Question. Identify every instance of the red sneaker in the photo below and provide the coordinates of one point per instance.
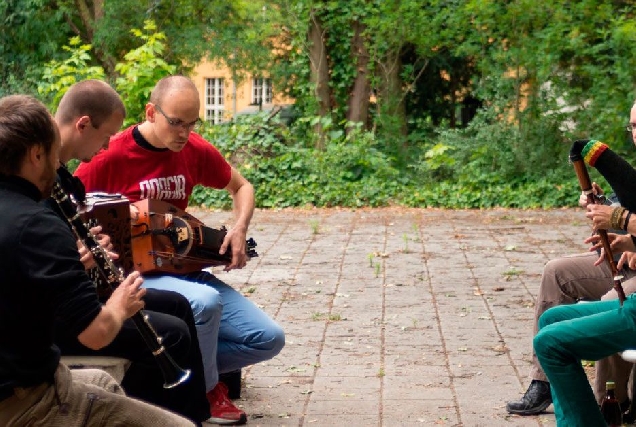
(222, 409)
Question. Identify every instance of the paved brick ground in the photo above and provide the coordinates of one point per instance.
(398, 317)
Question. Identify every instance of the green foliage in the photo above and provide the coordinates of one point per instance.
(140, 71)
(351, 171)
(237, 31)
(542, 73)
(491, 193)
(242, 34)
(456, 171)
(233, 31)
(59, 75)
(573, 59)
(23, 47)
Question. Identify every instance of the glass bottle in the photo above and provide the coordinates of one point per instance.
(611, 407)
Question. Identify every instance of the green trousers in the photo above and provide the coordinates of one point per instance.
(585, 331)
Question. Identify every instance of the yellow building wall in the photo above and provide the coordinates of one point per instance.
(237, 97)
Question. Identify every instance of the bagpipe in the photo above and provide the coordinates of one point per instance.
(619, 174)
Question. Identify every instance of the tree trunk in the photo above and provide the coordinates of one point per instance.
(359, 100)
(90, 12)
(391, 108)
(453, 99)
(319, 72)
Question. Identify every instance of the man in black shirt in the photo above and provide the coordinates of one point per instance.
(41, 278)
(88, 114)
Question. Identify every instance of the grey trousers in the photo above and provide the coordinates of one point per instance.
(83, 397)
(565, 281)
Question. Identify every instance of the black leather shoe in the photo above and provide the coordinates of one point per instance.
(535, 401)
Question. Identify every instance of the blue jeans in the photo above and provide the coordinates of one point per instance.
(574, 332)
(233, 332)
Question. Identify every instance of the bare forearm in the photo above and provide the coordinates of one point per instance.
(124, 302)
(103, 329)
(243, 206)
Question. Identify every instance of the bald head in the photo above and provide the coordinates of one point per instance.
(171, 85)
(171, 113)
(92, 98)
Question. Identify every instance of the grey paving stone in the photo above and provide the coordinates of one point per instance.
(398, 317)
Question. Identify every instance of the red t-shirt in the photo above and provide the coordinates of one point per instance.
(140, 173)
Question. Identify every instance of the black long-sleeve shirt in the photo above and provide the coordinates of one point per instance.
(41, 278)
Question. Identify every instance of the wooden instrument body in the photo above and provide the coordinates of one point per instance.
(161, 238)
(168, 239)
(112, 212)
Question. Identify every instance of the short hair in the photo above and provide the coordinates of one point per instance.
(169, 84)
(24, 122)
(93, 98)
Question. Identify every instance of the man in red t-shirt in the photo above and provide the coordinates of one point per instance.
(162, 158)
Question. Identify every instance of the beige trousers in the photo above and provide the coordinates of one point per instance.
(565, 281)
(83, 397)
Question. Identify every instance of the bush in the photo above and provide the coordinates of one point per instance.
(351, 171)
(477, 167)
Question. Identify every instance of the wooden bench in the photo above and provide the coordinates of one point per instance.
(115, 366)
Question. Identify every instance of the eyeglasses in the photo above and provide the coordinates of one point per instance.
(179, 123)
(630, 127)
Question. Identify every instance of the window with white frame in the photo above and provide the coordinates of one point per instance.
(214, 100)
(261, 91)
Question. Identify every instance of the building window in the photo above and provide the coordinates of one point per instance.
(214, 100)
(261, 91)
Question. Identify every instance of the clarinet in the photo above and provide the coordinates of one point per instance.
(173, 374)
(586, 186)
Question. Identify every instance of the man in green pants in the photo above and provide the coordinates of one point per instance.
(571, 333)
(575, 332)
